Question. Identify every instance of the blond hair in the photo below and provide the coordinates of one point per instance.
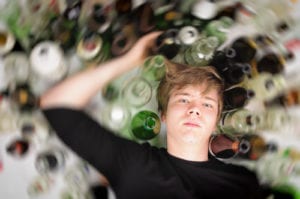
(179, 75)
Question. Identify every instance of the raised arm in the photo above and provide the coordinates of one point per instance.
(77, 90)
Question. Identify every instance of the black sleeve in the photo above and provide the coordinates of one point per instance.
(107, 152)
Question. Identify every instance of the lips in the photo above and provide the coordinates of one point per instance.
(191, 124)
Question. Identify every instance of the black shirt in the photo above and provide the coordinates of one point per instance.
(141, 171)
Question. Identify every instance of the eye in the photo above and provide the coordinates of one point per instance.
(207, 105)
(183, 100)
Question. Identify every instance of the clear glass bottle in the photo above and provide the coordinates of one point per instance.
(50, 160)
(48, 65)
(275, 169)
(40, 185)
(137, 91)
(116, 115)
(205, 10)
(240, 121)
(34, 127)
(275, 118)
(201, 52)
(76, 177)
(266, 86)
(16, 68)
(145, 125)
(9, 117)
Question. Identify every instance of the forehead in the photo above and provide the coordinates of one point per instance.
(197, 91)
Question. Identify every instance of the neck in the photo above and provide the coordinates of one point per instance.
(188, 151)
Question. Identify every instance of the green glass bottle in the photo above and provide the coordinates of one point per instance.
(145, 125)
(153, 68)
(219, 28)
(201, 52)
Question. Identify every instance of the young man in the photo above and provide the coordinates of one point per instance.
(190, 101)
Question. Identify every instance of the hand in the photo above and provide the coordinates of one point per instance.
(142, 48)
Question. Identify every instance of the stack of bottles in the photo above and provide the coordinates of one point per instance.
(251, 43)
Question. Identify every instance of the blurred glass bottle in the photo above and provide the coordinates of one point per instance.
(266, 86)
(275, 118)
(29, 20)
(16, 68)
(115, 115)
(248, 146)
(76, 177)
(24, 98)
(285, 191)
(242, 49)
(204, 9)
(34, 127)
(236, 97)
(144, 19)
(167, 44)
(48, 66)
(219, 28)
(275, 169)
(187, 35)
(240, 120)
(7, 39)
(166, 14)
(270, 63)
(153, 68)
(9, 117)
(145, 125)
(201, 52)
(123, 39)
(50, 160)
(101, 17)
(39, 185)
(123, 7)
(231, 10)
(91, 48)
(235, 73)
(64, 28)
(137, 91)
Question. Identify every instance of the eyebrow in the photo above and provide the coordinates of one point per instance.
(187, 94)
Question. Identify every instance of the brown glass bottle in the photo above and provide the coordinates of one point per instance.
(236, 97)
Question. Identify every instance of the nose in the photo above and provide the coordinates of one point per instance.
(194, 111)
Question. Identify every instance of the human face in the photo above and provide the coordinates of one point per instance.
(191, 114)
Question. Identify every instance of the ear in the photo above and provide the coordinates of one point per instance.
(163, 117)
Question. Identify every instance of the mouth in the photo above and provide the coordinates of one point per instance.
(191, 124)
